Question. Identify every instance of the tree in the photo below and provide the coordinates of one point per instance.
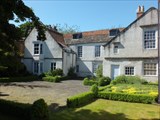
(65, 28)
(17, 11)
(26, 28)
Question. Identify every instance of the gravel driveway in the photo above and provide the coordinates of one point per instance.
(52, 93)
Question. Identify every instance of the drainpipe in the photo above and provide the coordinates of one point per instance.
(159, 51)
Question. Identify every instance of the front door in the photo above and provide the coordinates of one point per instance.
(114, 71)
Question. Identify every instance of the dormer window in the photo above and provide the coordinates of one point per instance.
(113, 32)
(77, 35)
(38, 48)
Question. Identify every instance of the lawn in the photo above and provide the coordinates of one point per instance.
(109, 110)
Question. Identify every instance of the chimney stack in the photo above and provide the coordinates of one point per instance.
(140, 11)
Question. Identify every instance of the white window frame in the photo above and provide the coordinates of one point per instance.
(38, 49)
(53, 65)
(148, 36)
(80, 51)
(130, 70)
(97, 51)
(150, 70)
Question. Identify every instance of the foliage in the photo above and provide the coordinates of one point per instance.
(94, 89)
(9, 33)
(122, 79)
(138, 98)
(103, 81)
(66, 29)
(56, 72)
(26, 28)
(99, 71)
(81, 99)
(19, 79)
(39, 110)
(52, 78)
(71, 73)
(86, 81)
(15, 109)
(131, 88)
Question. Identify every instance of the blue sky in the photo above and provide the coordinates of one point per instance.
(88, 14)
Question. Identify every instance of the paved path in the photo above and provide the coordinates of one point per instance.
(28, 92)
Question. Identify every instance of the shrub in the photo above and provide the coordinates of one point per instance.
(52, 79)
(99, 71)
(57, 72)
(39, 110)
(122, 79)
(138, 98)
(15, 109)
(71, 73)
(94, 89)
(104, 81)
(86, 81)
(80, 99)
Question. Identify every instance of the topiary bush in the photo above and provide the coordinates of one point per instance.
(39, 110)
(89, 82)
(103, 81)
(94, 89)
(122, 79)
(99, 71)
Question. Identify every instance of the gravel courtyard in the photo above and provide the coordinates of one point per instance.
(52, 93)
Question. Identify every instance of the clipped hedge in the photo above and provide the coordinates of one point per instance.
(103, 81)
(138, 98)
(52, 79)
(15, 109)
(88, 82)
(81, 99)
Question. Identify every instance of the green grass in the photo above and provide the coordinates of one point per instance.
(132, 88)
(109, 110)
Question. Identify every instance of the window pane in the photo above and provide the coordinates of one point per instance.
(41, 67)
(129, 70)
(150, 68)
(97, 51)
(36, 70)
(79, 51)
(149, 39)
(41, 49)
(36, 48)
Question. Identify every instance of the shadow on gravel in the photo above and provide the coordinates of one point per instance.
(24, 86)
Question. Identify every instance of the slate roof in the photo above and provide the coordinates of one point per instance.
(90, 37)
(58, 37)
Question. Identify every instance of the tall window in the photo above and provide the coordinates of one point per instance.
(149, 39)
(36, 68)
(129, 70)
(53, 66)
(77, 68)
(115, 49)
(97, 51)
(38, 48)
(79, 51)
(150, 68)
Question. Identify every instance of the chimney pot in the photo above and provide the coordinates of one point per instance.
(140, 11)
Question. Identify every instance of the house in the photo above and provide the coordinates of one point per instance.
(89, 48)
(134, 50)
(42, 56)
